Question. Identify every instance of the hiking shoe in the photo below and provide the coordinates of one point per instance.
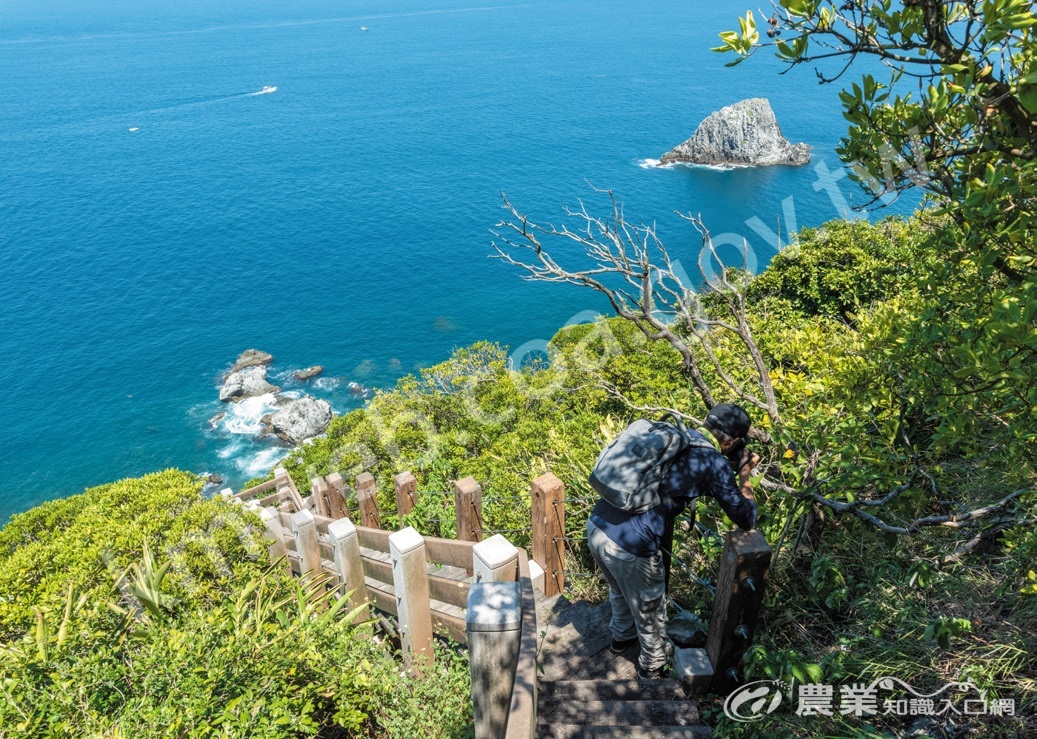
(657, 674)
(618, 646)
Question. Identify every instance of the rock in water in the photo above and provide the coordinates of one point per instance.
(252, 358)
(309, 372)
(745, 134)
(301, 418)
(246, 383)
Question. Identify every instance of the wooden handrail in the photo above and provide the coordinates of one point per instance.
(388, 576)
(253, 491)
(443, 589)
(522, 713)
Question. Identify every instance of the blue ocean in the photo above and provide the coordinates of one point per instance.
(160, 213)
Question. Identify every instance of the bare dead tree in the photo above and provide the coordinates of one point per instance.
(635, 272)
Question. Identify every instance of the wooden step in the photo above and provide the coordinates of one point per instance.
(619, 713)
(609, 690)
(576, 731)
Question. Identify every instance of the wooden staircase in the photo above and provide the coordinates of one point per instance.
(587, 691)
(638, 709)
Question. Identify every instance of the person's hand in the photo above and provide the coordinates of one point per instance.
(748, 457)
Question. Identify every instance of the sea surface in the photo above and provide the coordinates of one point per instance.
(158, 215)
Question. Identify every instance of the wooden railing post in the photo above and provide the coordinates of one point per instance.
(495, 560)
(468, 509)
(410, 580)
(367, 500)
(406, 488)
(345, 544)
(736, 610)
(317, 494)
(494, 626)
(337, 495)
(304, 526)
(548, 529)
(275, 533)
(286, 486)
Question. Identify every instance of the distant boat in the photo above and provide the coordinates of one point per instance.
(363, 28)
(134, 130)
(266, 89)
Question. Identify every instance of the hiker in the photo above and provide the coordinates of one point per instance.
(629, 546)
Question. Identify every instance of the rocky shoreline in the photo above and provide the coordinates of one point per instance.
(295, 419)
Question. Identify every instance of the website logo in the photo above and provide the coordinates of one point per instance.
(755, 700)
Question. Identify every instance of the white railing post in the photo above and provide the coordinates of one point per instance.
(275, 535)
(410, 580)
(345, 544)
(494, 625)
(495, 560)
(304, 527)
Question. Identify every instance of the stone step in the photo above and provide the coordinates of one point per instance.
(619, 713)
(610, 690)
(576, 731)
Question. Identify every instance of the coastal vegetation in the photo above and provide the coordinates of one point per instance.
(892, 492)
(231, 647)
(890, 367)
(139, 609)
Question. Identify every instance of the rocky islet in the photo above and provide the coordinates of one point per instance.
(745, 134)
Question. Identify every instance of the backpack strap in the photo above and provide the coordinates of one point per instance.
(681, 430)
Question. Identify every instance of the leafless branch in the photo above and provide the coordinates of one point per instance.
(952, 520)
(616, 393)
(986, 534)
(634, 270)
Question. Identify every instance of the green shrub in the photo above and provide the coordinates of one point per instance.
(138, 609)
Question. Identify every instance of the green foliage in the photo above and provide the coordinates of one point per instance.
(92, 538)
(193, 635)
(786, 665)
(956, 117)
(941, 629)
(870, 384)
(147, 586)
(843, 267)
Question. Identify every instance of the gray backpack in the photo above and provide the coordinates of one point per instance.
(628, 471)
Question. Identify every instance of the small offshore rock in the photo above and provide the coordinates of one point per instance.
(745, 134)
(246, 383)
(355, 388)
(215, 420)
(309, 372)
(252, 358)
(214, 479)
(300, 419)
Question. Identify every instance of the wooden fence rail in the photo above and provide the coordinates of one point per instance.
(428, 583)
(329, 498)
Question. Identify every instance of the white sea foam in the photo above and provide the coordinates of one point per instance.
(648, 163)
(327, 383)
(244, 417)
(714, 167)
(262, 461)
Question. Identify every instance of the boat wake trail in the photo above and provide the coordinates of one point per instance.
(133, 118)
(206, 101)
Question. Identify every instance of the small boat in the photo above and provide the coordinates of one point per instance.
(266, 89)
(134, 130)
(363, 28)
